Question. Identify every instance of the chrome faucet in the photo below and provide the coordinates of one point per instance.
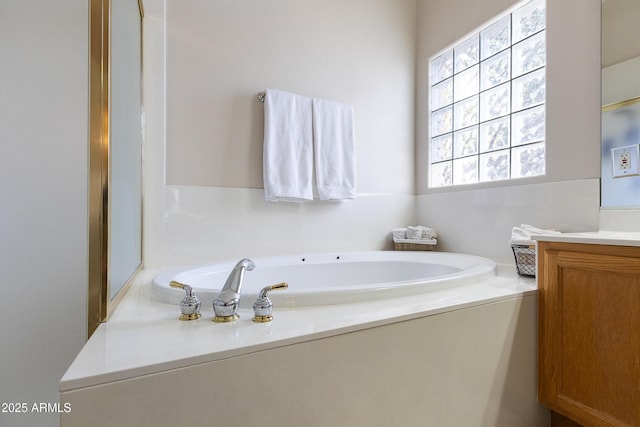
(263, 307)
(225, 306)
(190, 305)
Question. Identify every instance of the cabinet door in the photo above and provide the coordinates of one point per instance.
(589, 332)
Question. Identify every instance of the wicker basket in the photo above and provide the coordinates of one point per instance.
(414, 245)
(525, 256)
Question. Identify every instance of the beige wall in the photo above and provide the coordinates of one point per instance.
(221, 54)
(43, 188)
(225, 52)
(620, 81)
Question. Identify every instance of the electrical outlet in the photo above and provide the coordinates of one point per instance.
(625, 160)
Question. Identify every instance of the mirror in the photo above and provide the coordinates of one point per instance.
(621, 103)
(115, 153)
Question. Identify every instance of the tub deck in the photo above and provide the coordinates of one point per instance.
(145, 337)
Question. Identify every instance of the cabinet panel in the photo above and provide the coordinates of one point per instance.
(589, 332)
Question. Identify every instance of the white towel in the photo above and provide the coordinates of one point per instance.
(428, 232)
(414, 233)
(522, 235)
(334, 148)
(288, 147)
(399, 233)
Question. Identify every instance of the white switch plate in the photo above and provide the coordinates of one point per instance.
(625, 160)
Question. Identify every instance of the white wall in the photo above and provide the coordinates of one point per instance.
(204, 224)
(43, 188)
(479, 219)
(214, 128)
(203, 186)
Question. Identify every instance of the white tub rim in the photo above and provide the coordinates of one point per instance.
(471, 268)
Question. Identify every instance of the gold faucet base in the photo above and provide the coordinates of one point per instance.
(262, 319)
(193, 316)
(225, 319)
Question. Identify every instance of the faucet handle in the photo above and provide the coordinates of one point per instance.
(190, 304)
(263, 307)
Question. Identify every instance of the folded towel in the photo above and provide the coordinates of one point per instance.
(334, 148)
(288, 147)
(522, 235)
(414, 233)
(428, 233)
(399, 233)
(420, 232)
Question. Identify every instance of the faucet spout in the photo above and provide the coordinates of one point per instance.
(225, 306)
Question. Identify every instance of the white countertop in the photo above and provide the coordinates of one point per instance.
(617, 238)
(145, 336)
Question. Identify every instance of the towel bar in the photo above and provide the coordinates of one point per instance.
(261, 96)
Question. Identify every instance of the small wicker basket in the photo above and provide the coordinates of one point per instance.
(525, 256)
(414, 245)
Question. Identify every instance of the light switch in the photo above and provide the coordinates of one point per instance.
(625, 160)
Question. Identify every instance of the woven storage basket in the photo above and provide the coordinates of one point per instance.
(525, 256)
(414, 245)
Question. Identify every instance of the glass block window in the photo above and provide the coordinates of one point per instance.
(487, 97)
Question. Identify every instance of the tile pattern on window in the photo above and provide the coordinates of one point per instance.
(487, 102)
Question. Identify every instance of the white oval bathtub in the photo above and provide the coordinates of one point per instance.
(320, 279)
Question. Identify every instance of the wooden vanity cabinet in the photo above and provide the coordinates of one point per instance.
(589, 332)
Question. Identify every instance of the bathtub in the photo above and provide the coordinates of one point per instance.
(327, 279)
(464, 314)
